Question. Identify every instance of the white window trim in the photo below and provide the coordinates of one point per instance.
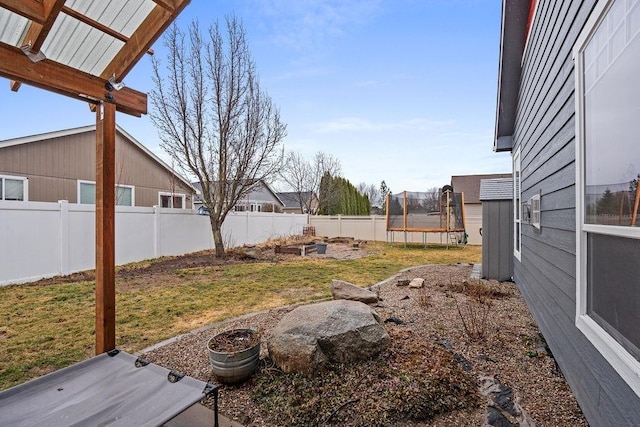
(517, 206)
(622, 362)
(133, 191)
(172, 195)
(80, 181)
(25, 186)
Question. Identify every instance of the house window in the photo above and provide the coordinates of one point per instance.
(14, 188)
(517, 206)
(125, 194)
(608, 172)
(172, 200)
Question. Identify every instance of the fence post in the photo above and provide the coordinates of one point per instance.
(373, 222)
(156, 232)
(64, 237)
(339, 225)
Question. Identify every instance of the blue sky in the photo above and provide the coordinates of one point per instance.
(398, 90)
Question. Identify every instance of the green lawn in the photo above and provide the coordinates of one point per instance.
(48, 327)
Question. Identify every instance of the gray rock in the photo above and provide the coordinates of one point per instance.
(311, 336)
(345, 290)
(250, 252)
(416, 283)
(504, 409)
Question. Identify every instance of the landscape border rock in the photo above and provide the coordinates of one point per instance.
(342, 290)
(312, 336)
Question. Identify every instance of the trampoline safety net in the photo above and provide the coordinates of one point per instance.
(439, 211)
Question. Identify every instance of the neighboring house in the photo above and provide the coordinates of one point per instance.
(61, 166)
(259, 198)
(292, 199)
(567, 110)
(469, 185)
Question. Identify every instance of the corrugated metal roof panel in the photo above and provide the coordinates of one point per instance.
(12, 27)
(80, 46)
(75, 43)
(496, 189)
(85, 43)
(122, 16)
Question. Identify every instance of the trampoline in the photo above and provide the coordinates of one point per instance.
(440, 212)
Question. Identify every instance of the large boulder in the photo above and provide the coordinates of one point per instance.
(345, 290)
(311, 336)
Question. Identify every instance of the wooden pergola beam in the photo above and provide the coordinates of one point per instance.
(169, 5)
(68, 81)
(37, 33)
(31, 9)
(143, 38)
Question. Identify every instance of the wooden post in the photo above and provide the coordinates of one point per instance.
(105, 228)
(635, 207)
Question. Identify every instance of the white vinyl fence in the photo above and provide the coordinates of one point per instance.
(40, 240)
(374, 228)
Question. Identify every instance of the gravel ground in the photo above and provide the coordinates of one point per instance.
(511, 349)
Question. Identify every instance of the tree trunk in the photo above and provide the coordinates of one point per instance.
(216, 229)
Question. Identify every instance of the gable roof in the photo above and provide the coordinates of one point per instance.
(470, 185)
(291, 199)
(259, 182)
(92, 128)
(496, 189)
(515, 17)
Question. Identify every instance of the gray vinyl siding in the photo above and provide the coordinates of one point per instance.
(545, 134)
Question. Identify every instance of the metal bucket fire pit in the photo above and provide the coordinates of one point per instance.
(234, 355)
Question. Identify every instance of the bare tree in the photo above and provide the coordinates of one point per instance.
(384, 194)
(432, 199)
(304, 176)
(372, 192)
(214, 119)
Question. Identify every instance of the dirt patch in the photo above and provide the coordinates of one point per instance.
(429, 376)
(151, 273)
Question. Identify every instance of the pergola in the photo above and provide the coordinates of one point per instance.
(84, 49)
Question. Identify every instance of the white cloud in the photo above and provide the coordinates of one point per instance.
(367, 83)
(355, 124)
(305, 25)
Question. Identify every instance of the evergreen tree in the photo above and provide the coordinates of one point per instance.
(607, 204)
(347, 200)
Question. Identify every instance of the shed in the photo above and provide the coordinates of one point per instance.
(496, 196)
